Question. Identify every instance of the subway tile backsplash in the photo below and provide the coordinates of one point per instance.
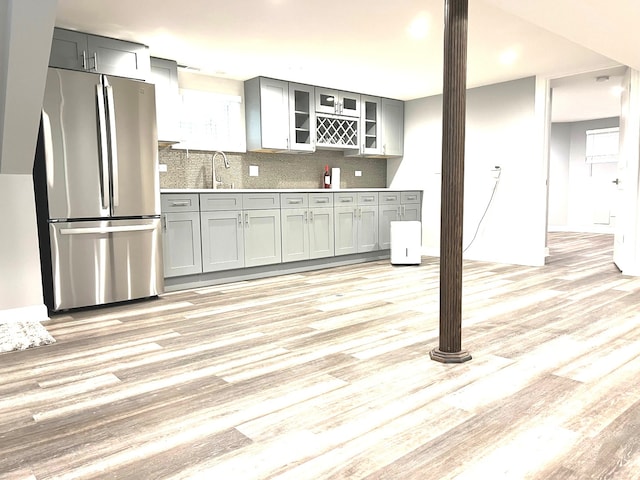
(192, 169)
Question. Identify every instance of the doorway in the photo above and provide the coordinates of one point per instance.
(582, 193)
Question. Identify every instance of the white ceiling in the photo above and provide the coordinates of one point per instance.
(366, 45)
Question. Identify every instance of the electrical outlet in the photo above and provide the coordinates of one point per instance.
(358, 173)
(253, 170)
(162, 167)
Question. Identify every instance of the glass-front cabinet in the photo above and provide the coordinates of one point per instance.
(337, 102)
(302, 118)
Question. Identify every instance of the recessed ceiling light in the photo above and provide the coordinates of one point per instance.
(419, 26)
(509, 57)
(617, 90)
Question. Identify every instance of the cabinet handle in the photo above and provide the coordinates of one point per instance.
(321, 200)
(346, 200)
(240, 219)
(399, 213)
(246, 220)
(390, 199)
(306, 219)
(84, 60)
(164, 223)
(311, 216)
(177, 203)
(294, 202)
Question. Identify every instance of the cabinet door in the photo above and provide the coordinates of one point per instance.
(321, 233)
(262, 237)
(302, 118)
(367, 228)
(68, 49)
(336, 102)
(164, 74)
(392, 128)
(346, 230)
(181, 244)
(386, 214)
(267, 114)
(295, 234)
(222, 240)
(370, 125)
(411, 212)
(117, 57)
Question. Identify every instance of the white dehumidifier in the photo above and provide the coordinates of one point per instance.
(406, 243)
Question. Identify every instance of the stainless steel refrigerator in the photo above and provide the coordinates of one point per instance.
(97, 190)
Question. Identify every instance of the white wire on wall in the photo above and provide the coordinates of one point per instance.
(493, 192)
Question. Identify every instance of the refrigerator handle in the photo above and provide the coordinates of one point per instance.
(102, 127)
(48, 144)
(113, 144)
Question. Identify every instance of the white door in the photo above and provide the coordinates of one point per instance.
(629, 159)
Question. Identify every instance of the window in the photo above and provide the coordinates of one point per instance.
(602, 145)
(211, 121)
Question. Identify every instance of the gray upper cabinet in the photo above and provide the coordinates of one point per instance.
(267, 114)
(370, 125)
(164, 74)
(337, 103)
(81, 51)
(302, 118)
(382, 128)
(392, 128)
(280, 116)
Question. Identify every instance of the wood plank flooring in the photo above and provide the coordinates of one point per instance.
(326, 375)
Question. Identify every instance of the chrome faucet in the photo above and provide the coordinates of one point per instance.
(216, 180)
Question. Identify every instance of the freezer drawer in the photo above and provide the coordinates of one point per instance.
(99, 262)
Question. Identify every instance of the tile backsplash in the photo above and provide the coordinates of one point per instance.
(192, 169)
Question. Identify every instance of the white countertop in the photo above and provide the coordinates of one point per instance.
(280, 190)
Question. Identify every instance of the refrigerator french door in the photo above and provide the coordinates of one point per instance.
(97, 190)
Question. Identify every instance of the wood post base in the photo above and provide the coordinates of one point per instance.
(445, 357)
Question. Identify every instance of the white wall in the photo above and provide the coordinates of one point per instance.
(26, 28)
(503, 128)
(580, 194)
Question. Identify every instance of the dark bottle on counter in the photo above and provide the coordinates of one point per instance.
(326, 177)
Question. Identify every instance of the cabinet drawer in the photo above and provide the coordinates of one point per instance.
(220, 201)
(178, 202)
(259, 201)
(345, 199)
(389, 198)
(294, 200)
(410, 197)
(321, 199)
(368, 198)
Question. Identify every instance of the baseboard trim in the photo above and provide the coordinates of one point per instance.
(38, 313)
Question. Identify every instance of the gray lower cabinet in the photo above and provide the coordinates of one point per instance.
(356, 222)
(93, 53)
(411, 206)
(396, 206)
(388, 211)
(307, 226)
(222, 240)
(181, 235)
(262, 237)
(237, 232)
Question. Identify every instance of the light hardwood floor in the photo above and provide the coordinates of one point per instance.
(326, 375)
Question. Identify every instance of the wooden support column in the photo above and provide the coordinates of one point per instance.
(452, 196)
